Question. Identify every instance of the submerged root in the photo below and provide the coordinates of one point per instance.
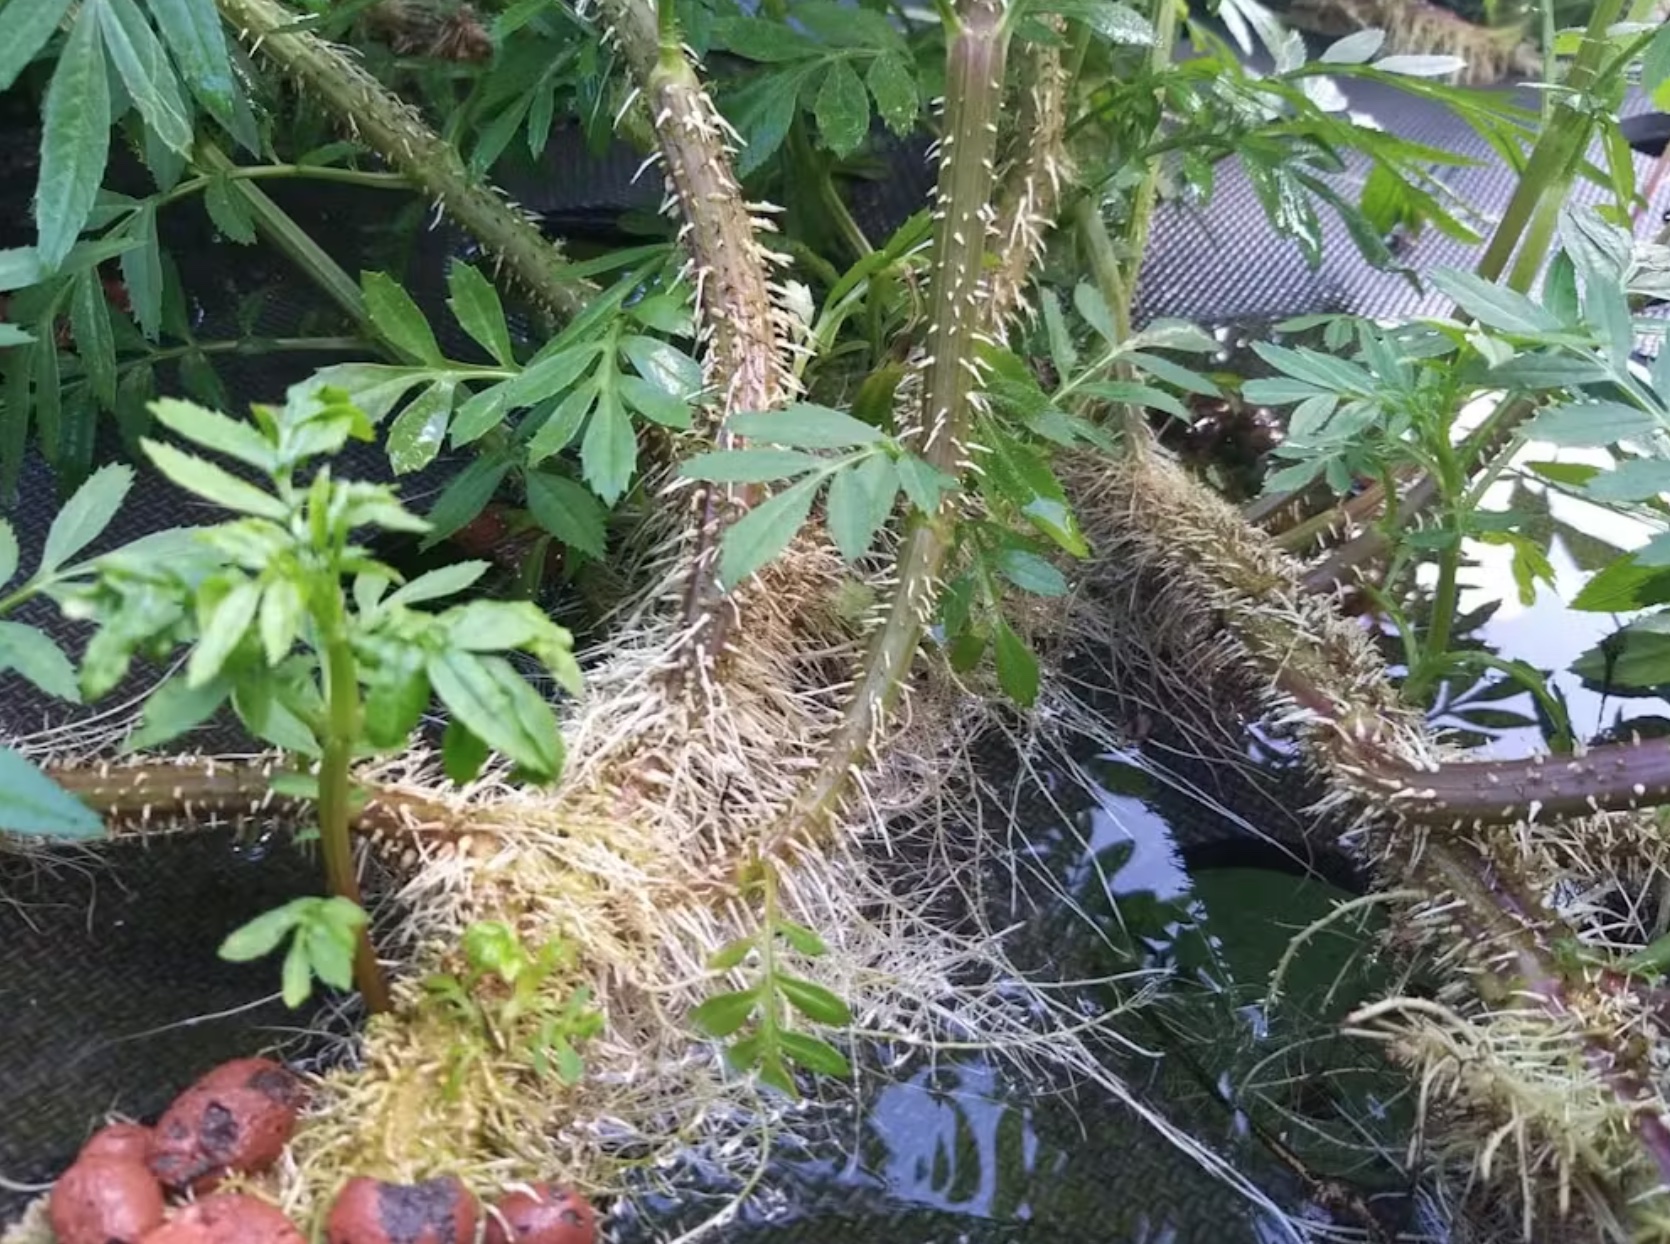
(1543, 1056)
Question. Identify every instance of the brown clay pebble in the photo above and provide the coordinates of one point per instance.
(269, 1078)
(129, 1141)
(222, 1123)
(542, 1215)
(104, 1201)
(227, 1218)
(368, 1211)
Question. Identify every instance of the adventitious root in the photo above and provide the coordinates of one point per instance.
(1541, 1063)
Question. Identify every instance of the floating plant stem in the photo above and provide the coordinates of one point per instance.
(389, 126)
(977, 48)
(746, 360)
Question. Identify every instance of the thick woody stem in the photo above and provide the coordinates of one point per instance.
(961, 310)
(386, 124)
(747, 350)
(196, 789)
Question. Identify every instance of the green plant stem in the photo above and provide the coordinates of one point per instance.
(976, 55)
(386, 124)
(288, 172)
(342, 729)
(1550, 167)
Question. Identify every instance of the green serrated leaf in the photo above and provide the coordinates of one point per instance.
(25, 28)
(213, 430)
(419, 431)
(498, 707)
(192, 30)
(609, 452)
(437, 584)
(653, 402)
(766, 530)
(222, 627)
(142, 272)
(818, 1057)
(723, 1014)
(264, 934)
(1031, 573)
(75, 142)
(372, 388)
(84, 516)
(805, 425)
(1590, 424)
(32, 803)
(146, 72)
(229, 209)
(850, 512)
(462, 753)
(894, 88)
(465, 497)
(730, 955)
(814, 1001)
(568, 511)
(174, 708)
(1495, 306)
(801, 938)
(34, 655)
(842, 109)
(750, 466)
(208, 481)
(663, 365)
(1623, 585)
(398, 318)
(923, 483)
(8, 552)
(95, 343)
(1017, 667)
(479, 312)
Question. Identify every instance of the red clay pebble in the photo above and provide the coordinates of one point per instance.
(542, 1214)
(238, 1117)
(436, 1211)
(104, 1200)
(269, 1078)
(129, 1141)
(227, 1218)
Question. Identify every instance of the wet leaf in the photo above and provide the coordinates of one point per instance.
(419, 431)
(476, 305)
(894, 89)
(842, 108)
(663, 365)
(654, 402)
